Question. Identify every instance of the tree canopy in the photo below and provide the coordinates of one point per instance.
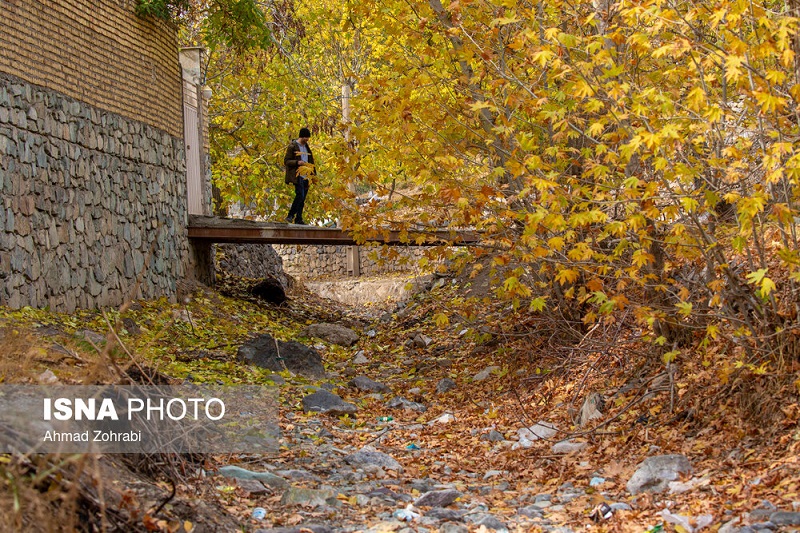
(635, 158)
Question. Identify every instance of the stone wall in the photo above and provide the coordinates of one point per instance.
(250, 261)
(93, 207)
(315, 261)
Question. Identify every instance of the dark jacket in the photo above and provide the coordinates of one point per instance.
(292, 158)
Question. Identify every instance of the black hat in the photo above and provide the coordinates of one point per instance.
(304, 132)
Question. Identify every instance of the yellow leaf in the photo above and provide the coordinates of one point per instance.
(567, 275)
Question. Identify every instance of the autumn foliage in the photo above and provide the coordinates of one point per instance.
(635, 158)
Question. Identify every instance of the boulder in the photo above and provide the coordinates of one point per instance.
(370, 456)
(438, 498)
(326, 402)
(333, 333)
(264, 351)
(267, 478)
(308, 497)
(785, 518)
(654, 473)
(363, 383)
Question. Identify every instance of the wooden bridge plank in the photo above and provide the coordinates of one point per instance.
(218, 229)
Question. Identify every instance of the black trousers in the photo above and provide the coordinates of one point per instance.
(300, 192)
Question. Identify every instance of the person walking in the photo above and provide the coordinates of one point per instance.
(299, 162)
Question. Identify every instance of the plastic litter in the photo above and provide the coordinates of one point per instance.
(445, 419)
(259, 513)
(704, 520)
(412, 446)
(601, 512)
(677, 520)
(385, 419)
(407, 514)
(658, 528)
(685, 522)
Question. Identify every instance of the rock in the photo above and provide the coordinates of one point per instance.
(438, 498)
(488, 521)
(396, 403)
(388, 494)
(360, 358)
(47, 378)
(531, 511)
(269, 290)
(92, 336)
(267, 478)
(363, 383)
(422, 485)
(297, 475)
(304, 529)
(440, 513)
(422, 341)
(485, 373)
(252, 487)
(527, 436)
(277, 379)
(308, 497)
(450, 527)
(326, 402)
(730, 526)
(370, 456)
(333, 333)
(293, 356)
(620, 506)
(493, 436)
(568, 446)
(493, 473)
(444, 385)
(655, 473)
(785, 518)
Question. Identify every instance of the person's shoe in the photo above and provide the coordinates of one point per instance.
(301, 223)
(289, 220)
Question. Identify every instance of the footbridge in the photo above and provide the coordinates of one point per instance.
(230, 230)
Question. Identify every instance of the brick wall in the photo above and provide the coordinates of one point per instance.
(98, 52)
(93, 199)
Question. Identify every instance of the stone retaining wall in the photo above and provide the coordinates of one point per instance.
(250, 261)
(91, 203)
(315, 261)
